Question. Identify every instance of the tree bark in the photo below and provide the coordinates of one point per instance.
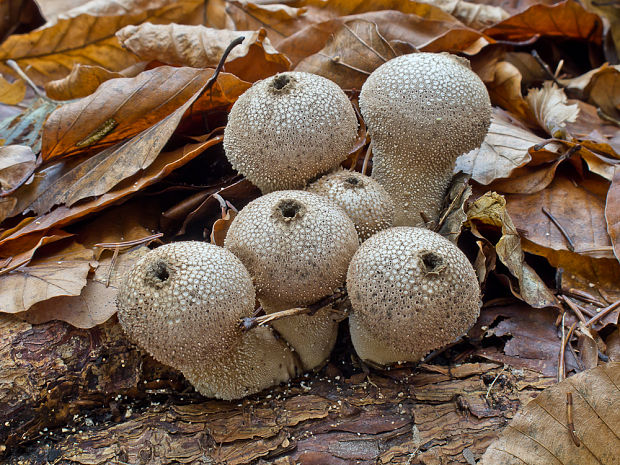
(88, 396)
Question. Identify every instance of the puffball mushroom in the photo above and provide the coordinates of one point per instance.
(422, 111)
(288, 129)
(412, 291)
(365, 201)
(182, 303)
(297, 246)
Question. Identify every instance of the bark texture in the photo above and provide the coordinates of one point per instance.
(71, 396)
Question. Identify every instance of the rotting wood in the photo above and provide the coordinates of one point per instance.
(87, 396)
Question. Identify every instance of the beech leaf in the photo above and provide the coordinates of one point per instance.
(16, 161)
(612, 212)
(81, 82)
(11, 93)
(551, 110)
(543, 433)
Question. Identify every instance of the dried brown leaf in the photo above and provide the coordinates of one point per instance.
(87, 37)
(541, 432)
(566, 19)
(58, 273)
(490, 209)
(453, 215)
(21, 251)
(220, 227)
(203, 47)
(551, 110)
(505, 148)
(471, 14)
(504, 86)
(16, 162)
(350, 55)
(81, 82)
(600, 87)
(11, 93)
(612, 212)
(18, 14)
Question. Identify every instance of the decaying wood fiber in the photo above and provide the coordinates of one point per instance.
(71, 396)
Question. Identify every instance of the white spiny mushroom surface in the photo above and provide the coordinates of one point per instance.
(289, 128)
(361, 197)
(182, 303)
(422, 110)
(412, 291)
(297, 246)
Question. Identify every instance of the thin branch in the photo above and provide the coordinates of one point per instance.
(363, 42)
(603, 313)
(366, 159)
(573, 306)
(15, 67)
(571, 245)
(545, 67)
(128, 244)
(220, 65)
(565, 340)
(569, 419)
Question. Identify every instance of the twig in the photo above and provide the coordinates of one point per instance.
(574, 307)
(604, 116)
(220, 65)
(494, 380)
(609, 299)
(15, 67)
(571, 245)
(545, 67)
(449, 209)
(586, 297)
(565, 340)
(366, 159)
(248, 323)
(603, 313)
(569, 419)
(127, 244)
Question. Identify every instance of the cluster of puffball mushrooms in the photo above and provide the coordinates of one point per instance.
(317, 228)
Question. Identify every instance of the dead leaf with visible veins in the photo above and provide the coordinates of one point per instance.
(81, 82)
(203, 47)
(490, 209)
(612, 212)
(350, 55)
(551, 110)
(26, 128)
(478, 16)
(87, 36)
(11, 93)
(548, 430)
(16, 162)
(59, 272)
(600, 87)
(505, 148)
(566, 19)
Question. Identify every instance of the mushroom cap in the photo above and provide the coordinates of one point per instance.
(412, 291)
(361, 197)
(289, 128)
(182, 302)
(428, 105)
(296, 245)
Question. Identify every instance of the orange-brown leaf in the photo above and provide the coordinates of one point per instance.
(612, 212)
(81, 82)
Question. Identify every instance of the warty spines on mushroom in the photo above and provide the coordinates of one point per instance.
(412, 291)
(422, 110)
(287, 129)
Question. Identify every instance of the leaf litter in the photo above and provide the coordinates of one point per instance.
(113, 155)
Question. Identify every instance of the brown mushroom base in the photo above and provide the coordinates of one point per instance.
(261, 361)
(311, 336)
(417, 190)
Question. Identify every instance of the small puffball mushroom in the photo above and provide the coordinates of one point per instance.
(361, 197)
(297, 246)
(422, 110)
(288, 129)
(183, 302)
(412, 291)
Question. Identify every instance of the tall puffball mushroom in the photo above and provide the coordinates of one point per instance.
(412, 291)
(183, 302)
(422, 111)
(288, 129)
(297, 246)
(361, 197)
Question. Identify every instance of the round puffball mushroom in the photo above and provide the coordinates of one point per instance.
(182, 303)
(288, 129)
(297, 246)
(361, 197)
(422, 111)
(412, 291)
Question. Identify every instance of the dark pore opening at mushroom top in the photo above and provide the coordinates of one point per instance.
(289, 208)
(280, 81)
(159, 271)
(352, 181)
(432, 262)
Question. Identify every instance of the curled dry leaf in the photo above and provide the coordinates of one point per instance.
(59, 272)
(600, 87)
(503, 82)
(490, 209)
(453, 215)
(11, 93)
(203, 47)
(550, 109)
(474, 15)
(612, 212)
(575, 421)
(566, 19)
(16, 162)
(505, 148)
(220, 227)
(81, 82)
(87, 37)
(350, 55)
